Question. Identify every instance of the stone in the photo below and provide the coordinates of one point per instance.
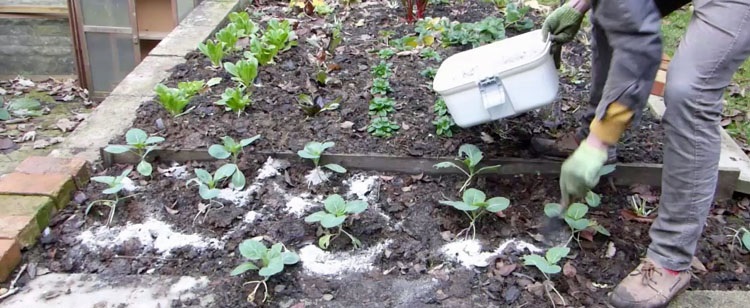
(10, 257)
(38, 210)
(59, 187)
(78, 169)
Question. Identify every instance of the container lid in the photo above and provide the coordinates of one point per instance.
(468, 67)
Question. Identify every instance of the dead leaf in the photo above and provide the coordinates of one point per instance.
(41, 144)
(536, 288)
(587, 235)
(697, 266)
(80, 117)
(740, 267)
(405, 126)
(744, 203)
(627, 214)
(611, 250)
(28, 136)
(569, 270)
(407, 53)
(66, 125)
(333, 67)
(360, 23)
(503, 269)
(726, 121)
(347, 125)
(170, 210)
(487, 138)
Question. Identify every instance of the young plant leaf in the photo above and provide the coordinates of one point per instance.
(253, 250)
(553, 210)
(275, 266)
(248, 141)
(356, 206)
(577, 224)
(207, 193)
(289, 257)
(224, 171)
(472, 153)
(117, 149)
(203, 175)
(315, 217)
(238, 179)
(244, 267)
(534, 260)
(154, 139)
(113, 190)
(577, 210)
(555, 254)
(599, 228)
(335, 168)
(136, 136)
(330, 220)
(324, 241)
(213, 81)
(473, 196)
(497, 204)
(461, 206)
(144, 168)
(335, 204)
(746, 239)
(606, 169)
(218, 151)
(592, 199)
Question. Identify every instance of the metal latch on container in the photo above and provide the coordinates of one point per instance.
(493, 95)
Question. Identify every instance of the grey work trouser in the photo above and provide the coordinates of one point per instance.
(626, 54)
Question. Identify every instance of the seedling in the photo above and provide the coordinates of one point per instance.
(262, 51)
(335, 213)
(289, 36)
(172, 99)
(22, 107)
(244, 71)
(115, 185)
(444, 126)
(242, 22)
(429, 53)
(313, 151)
(470, 156)
(386, 53)
(381, 106)
(207, 184)
(575, 214)
(382, 70)
(267, 262)
(380, 86)
(235, 100)
(476, 34)
(232, 148)
(382, 127)
(548, 266)
(640, 206)
(229, 35)
(742, 235)
(214, 51)
(190, 88)
(312, 107)
(429, 73)
(475, 204)
(139, 143)
(515, 17)
(336, 38)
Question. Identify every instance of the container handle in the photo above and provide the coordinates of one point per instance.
(494, 98)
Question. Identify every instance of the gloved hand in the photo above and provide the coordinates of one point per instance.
(580, 172)
(562, 24)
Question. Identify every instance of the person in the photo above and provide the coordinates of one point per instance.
(626, 54)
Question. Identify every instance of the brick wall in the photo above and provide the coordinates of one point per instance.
(33, 46)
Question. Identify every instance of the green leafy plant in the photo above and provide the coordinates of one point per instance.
(313, 151)
(229, 35)
(214, 51)
(444, 126)
(429, 73)
(242, 22)
(548, 266)
(429, 53)
(244, 71)
(208, 184)
(231, 148)
(380, 86)
(262, 51)
(312, 107)
(640, 206)
(190, 88)
(487, 30)
(267, 262)
(235, 99)
(470, 156)
(26, 106)
(139, 143)
(382, 70)
(382, 127)
(515, 17)
(381, 106)
(386, 53)
(500, 4)
(336, 38)
(575, 214)
(335, 212)
(114, 187)
(172, 99)
(475, 203)
(742, 235)
(281, 29)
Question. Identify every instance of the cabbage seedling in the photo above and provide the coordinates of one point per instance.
(214, 51)
(473, 156)
(743, 235)
(235, 100)
(244, 71)
(313, 151)
(139, 143)
(475, 203)
(115, 185)
(335, 213)
(548, 266)
(232, 148)
(207, 184)
(267, 262)
(575, 214)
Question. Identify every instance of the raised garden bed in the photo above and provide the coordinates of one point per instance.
(410, 254)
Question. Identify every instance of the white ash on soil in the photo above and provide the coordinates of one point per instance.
(152, 234)
(238, 197)
(320, 262)
(298, 205)
(271, 168)
(250, 217)
(176, 171)
(469, 252)
(128, 184)
(362, 186)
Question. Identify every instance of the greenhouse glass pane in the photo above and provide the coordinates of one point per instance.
(111, 57)
(183, 8)
(108, 13)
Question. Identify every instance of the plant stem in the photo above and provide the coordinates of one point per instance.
(251, 296)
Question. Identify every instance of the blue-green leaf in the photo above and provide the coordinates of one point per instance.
(218, 151)
(577, 210)
(244, 267)
(497, 204)
(553, 210)
(473, 196)
(252, 249)
(330, 220)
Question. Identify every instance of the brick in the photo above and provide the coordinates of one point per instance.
(59, 187)
(10, 257)
(659, 83)
(78, 169)
(24, 229)
(39, 208)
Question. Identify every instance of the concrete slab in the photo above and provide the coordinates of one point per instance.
(87, 290)
(113, 117)
(199, 25)
(732, 155)
(143, 78)
(708, 299)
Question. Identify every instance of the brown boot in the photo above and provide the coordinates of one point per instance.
(649, 286)
(563, 147)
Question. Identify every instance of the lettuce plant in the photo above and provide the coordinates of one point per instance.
(172, 99)
(382, 70)
(114, 186)
(470, 156)
(190, 88)
(139, 143)
(380, 86)
(335, 212)
(278, 30)
(262, 51)
(244, 71)
(267, 262)
(381, 106)
(229, 35)
(382, 127)
(313, 151)
(475, 203)
(242, 22)
(386, 53)
(235, 100)
(214, 51)
(444, 126)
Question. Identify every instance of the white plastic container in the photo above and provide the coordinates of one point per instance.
(498, 80)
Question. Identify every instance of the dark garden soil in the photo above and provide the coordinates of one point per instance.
(283, 126)
(404, 209)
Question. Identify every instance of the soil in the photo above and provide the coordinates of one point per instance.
(283, 126)
(404, 227)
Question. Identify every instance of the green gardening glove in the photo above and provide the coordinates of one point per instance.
(563, 25)
(580, 172)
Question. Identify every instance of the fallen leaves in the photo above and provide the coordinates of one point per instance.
(65, 125)
(628, 215)
(569, 270)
